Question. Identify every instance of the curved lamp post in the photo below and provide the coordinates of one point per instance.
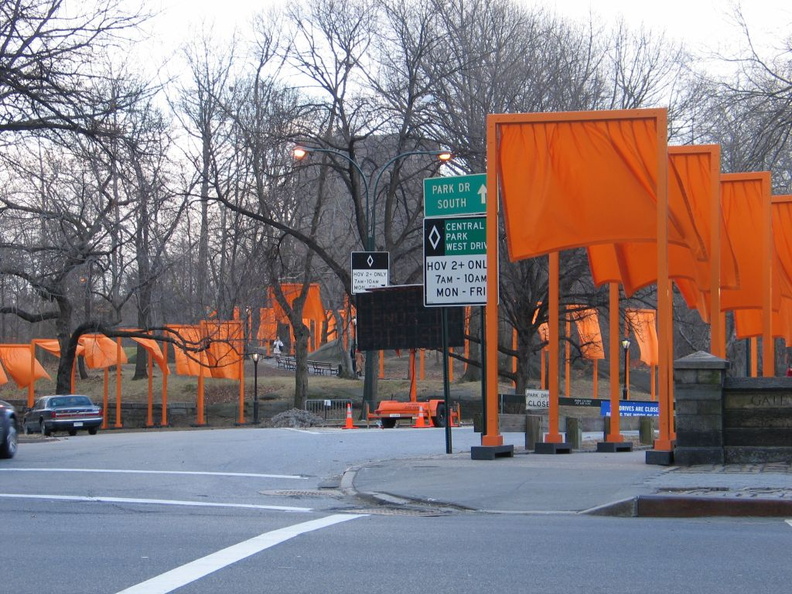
(626, 346)
(255, 357)
(301, 152)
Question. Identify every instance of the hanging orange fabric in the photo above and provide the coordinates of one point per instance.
(588, 328)
(268, 326)
(101, 352)
(152, 348)
(16, 359)
(782, 241)
(189, 362)
(692, 188)
(225, 347)
(745, 199)
(643, 324)
(579, 179)
(51, 345)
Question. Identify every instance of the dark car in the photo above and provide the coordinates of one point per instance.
(68, 412)
(8, 430)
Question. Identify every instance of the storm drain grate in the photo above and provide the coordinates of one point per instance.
(304, 493)
(392, 511)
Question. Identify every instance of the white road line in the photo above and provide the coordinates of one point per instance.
(183, 472)
(178, 502)
(186, 574)
(789, 522)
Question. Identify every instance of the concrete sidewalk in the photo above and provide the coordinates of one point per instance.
(582, 482)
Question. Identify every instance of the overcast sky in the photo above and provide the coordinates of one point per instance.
(706, 26)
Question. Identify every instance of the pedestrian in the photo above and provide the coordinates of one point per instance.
(277, 346)
(359, 363)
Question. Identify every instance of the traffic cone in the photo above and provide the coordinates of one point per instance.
(420, 423)
(350, 424)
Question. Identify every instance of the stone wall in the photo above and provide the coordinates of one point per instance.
(721, 420)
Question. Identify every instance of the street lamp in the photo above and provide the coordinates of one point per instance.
(255, 357)
(626, 346)
(301, 152)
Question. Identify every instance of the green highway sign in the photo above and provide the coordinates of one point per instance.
(455, 196)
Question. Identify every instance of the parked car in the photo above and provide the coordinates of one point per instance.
(8, 430)
(66, 412)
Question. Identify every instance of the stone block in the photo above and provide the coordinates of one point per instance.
(689, 456)
(704, 439)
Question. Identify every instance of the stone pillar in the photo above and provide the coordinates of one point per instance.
(698, 391)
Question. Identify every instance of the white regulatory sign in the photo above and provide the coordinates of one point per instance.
(370, 270)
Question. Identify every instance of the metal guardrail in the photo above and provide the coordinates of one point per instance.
(329, 410)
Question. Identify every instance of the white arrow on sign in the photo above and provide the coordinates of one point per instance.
(483, 193)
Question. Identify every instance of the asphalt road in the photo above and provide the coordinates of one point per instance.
(260, 510)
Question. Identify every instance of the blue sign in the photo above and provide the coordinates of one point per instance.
(631, 408)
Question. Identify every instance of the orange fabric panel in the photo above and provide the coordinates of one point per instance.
(588, 328)
(643, 324)
(152, 348)
(226, 343)
(692, 188)
(17, 361)
(782, 240)
(578, 179)
(100, 352)
(3, 376)
(313, 307)
(268, 326)
(189, 362)
(745, 199)
(748, 323)
(51, 345)
(694, 297)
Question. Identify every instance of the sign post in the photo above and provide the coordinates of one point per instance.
(455, 251)
(370, 270)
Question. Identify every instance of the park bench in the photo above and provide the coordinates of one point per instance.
(323, 368)
(286, 362)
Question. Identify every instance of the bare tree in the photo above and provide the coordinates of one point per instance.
(48, 63)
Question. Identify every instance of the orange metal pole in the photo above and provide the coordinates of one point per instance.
(118, 422)
(664, 297)
(164, 422)
(422, 364)
(200, 418)
(150, 407)
(31, 396)
(754, 357)
(491, 435)
(768, 342)
(241, 419)
(595, 380)
(450, 365)
(554, 327)
(106, 397)
(653, 381)
(382, 365)
(567, 359)
(413, 382)
(614, 435)
(717, 319)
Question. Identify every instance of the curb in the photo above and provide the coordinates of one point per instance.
(663, 506)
